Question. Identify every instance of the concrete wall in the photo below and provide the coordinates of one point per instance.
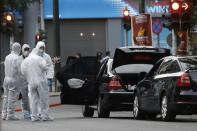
(114, 34)
(71, 40)
(108, 36)
(4, 50)
(31, 24)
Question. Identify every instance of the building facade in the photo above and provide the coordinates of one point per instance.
(92, 26)
(87, 27)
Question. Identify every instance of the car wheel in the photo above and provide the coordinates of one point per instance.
(137, 112)
(62, 98)
(166, 113)
(103, 107)
(87, 111)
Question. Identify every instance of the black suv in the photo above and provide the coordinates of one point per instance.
(170, 88)
(78, 80)
(117, 78)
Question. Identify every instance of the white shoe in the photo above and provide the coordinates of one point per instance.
(3, 117)
(47, 118)
(14, 118)
(35, 119)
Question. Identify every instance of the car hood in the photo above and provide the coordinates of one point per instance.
(138, 55)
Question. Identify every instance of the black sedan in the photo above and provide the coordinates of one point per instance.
(169, 89)
(117, 78)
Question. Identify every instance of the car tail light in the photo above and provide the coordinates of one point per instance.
(114, 83)
(184, 80)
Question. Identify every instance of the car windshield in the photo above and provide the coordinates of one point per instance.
(133, 68)
(189, 63)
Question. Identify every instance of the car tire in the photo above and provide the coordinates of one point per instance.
(138, 114)
(62, 98)
(87, 111)
(103, 107)
(166, 112)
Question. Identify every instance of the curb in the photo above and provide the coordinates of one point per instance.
(54, 94)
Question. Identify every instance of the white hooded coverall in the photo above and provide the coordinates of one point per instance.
(34, 68)
(11, 82)
(50, 71)
(24, 86)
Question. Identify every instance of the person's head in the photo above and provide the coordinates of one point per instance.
(16, 48)
(41, 47)
(26, 50)
(78, 55)
(107, 53)
(99, 55)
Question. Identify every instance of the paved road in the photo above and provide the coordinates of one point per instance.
(69, 118)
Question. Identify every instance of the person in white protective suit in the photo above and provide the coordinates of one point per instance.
(11, 82)
(50, 73)
(34, 68)
(24, 85)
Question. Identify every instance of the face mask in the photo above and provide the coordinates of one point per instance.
(26, 53)
(41, 51)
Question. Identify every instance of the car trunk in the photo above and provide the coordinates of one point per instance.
(128, 63)
(130, 79)
(189, 64)
(145, 55)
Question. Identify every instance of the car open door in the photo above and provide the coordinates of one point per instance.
(78, 79)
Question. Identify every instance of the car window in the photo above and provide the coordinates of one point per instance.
(173, 67)
(84, 67)
(79, 68)
(188, 63)
(163, 66)
(70, 60)
(153, 71)
(133, 68)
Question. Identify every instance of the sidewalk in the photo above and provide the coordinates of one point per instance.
(54, 100)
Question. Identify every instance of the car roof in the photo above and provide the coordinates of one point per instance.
(177, 57)
(128, 49)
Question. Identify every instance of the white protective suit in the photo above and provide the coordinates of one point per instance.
(34, 68)
(24, 85)
(50, 71)
(11, 82)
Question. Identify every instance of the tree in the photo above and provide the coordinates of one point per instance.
(12, 6)
(18, 5)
